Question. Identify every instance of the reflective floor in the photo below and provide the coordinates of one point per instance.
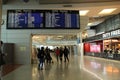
(78, 68)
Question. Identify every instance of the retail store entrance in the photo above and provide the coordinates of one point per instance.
(112, 47)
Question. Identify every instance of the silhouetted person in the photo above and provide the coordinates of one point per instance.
(105, 53)
(47, 55)
(116, 53)
(2, 61)
(61, 54)
(66, 52)
(41, 55)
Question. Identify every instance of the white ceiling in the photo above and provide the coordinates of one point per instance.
(94, 7)
(72, 1)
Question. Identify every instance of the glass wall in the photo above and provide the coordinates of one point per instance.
(112, 48)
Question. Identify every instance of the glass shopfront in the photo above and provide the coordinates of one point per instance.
(106, 45)
(94, 48)
(112, 48)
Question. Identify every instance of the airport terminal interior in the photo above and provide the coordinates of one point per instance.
(88, 29)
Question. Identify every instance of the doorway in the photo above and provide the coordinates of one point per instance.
(51, 41)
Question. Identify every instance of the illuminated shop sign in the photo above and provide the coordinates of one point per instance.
(112, 33)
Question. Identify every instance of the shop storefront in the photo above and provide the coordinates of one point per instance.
(93, 46)
(106, 45)
(112, 44)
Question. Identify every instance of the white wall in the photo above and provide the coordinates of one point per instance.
(22, 38)
(91, 32)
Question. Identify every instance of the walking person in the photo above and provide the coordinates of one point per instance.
(57, 51)
(47, 55)
(66, 52)
(41, 55)
(61, 54)
(2, 61)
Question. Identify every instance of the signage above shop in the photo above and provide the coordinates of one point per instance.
(112, 33)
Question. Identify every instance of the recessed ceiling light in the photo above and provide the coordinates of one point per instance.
(35, 36)
(89, 24)
(83, 12)
(107, 11)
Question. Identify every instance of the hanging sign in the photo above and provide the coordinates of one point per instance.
(112, 33)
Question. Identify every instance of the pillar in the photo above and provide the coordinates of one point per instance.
(0, 16)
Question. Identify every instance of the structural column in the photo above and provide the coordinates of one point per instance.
(0, 33)
(83, 25)
(0, 16)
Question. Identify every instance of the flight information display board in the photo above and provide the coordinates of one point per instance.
(43, 19)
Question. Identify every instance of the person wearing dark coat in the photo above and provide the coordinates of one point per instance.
(2, 61)
(41, 55)
(61, 54)
(66, 52)
(47, 55)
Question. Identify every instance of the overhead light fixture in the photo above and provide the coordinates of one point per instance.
(60, 36)
(35, 37)
(89, 24)
(107, 11)
(83, 12)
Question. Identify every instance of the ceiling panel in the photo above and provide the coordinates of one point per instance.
(94, 6)
(72, 1)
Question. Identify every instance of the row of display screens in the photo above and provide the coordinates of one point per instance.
(43, 19)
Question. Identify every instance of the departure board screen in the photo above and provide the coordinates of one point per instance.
(43, 19)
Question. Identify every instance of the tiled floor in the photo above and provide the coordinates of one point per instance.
(79, 68)
(9, 68)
